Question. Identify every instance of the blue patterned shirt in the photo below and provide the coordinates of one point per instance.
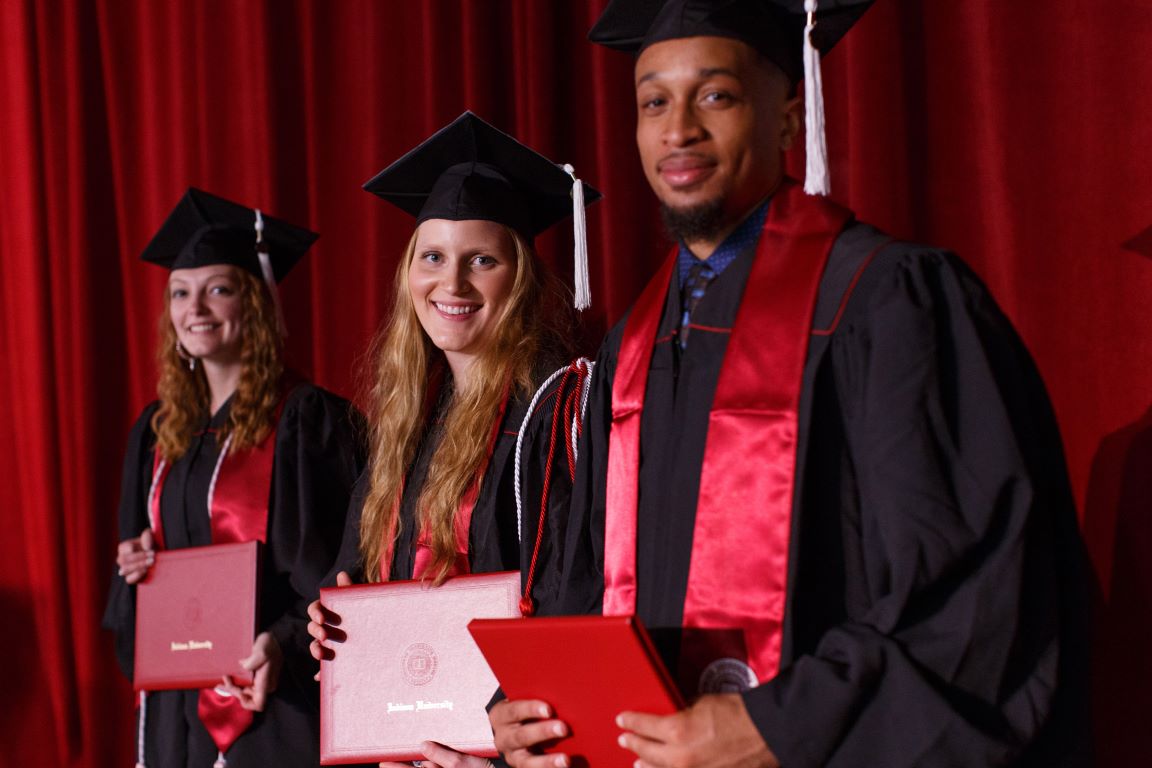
(744, 236)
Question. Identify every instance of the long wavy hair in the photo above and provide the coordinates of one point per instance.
(184, 396)
(535, 322)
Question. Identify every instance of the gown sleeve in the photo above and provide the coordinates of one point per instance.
(320, 452)
(135, 481)
(959, 526)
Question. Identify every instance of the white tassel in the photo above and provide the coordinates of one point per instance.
(817, 180)
(221, 761)
(142, 717)
(580, 243)
(269, 275)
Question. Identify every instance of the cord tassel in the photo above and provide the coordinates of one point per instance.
(583, 290)
(142, 719)
(266, 271)
(817, 179)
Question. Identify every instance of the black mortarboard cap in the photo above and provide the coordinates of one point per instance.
(775, 28)
(470, 170)
(205, 229)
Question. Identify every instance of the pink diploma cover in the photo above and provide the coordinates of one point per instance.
(196, 617)
(589, 669)
(408, 671)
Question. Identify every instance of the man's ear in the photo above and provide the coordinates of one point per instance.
(791, 118)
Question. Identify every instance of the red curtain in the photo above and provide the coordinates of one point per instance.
(1015, 133)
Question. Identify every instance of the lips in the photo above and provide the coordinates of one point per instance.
(202, 327)
(683, 171)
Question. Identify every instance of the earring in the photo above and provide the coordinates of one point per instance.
(183, 355)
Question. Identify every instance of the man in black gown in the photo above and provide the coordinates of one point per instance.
(829, 458)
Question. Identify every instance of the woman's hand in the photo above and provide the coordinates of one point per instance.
(264, 664)
(323, 625)
(440, 756)
(135, 556)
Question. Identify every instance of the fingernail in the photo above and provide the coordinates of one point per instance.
(622, 740)
(619, 721)
(562, 761)
(542, 712)
(558, 729)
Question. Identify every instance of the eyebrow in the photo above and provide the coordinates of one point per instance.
(703, 74)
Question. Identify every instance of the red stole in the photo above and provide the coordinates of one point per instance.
(238, 510)
(423, 560)
(739, 565)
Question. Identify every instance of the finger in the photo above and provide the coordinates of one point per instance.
(257, 659)
(519, 710)
(530, 736)
(315, 613)
(395, 765)
(524, 759)
(440, 756)
(650, 752)
(343, 579)
(146, 540)
(127, 547)
(230, 687)
(655, 727)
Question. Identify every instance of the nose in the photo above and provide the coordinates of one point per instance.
(683, 127)
(455, 279)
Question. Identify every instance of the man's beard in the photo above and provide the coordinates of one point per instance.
(698, 222)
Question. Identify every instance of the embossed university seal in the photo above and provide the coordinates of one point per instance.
(727, 676)
(419, 664)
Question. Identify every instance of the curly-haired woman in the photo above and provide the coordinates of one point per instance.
(236, 448)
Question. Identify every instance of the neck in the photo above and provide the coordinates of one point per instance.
(461, 367)
(223, 378)
(704, 247)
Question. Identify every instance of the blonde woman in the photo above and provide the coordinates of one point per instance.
(234, 449)
(478, 324)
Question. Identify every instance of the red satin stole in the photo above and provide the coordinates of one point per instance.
(238, 502)
(739, 563)
(422, 562)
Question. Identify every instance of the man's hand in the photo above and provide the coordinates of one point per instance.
(264, 664)
(522, 728)
(715, 731)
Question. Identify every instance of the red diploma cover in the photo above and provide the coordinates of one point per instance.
(408, 671)
(589, 669)
(196, 617)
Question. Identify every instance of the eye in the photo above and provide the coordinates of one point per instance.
(433, 257)
(484, 261)
(717, 97)
(652, 103)
(177, 293)
(221, 290)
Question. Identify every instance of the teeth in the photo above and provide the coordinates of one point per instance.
(451, 310)
(201, 327)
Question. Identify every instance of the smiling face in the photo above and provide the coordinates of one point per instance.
(460, 279)
(206, 310)
(712, 120)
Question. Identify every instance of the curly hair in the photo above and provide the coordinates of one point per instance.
(183, 393)
(536, 321)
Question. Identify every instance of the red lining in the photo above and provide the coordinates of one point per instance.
(709, 328)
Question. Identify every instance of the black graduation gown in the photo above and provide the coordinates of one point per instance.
(318, 456)
(935, 583)
(493, 540)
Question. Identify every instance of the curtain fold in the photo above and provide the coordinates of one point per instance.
(1014, 133)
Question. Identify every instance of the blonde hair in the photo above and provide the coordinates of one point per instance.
(534, 322)
(184, 395)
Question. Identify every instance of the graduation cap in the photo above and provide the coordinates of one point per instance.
(792, 34)
(471, 170)
(205, 229)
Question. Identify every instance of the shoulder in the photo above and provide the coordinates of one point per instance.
(885, 272)
(142, 428)
(561, 387)
(309, 404)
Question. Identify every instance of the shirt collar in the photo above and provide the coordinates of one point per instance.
(745, 236)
